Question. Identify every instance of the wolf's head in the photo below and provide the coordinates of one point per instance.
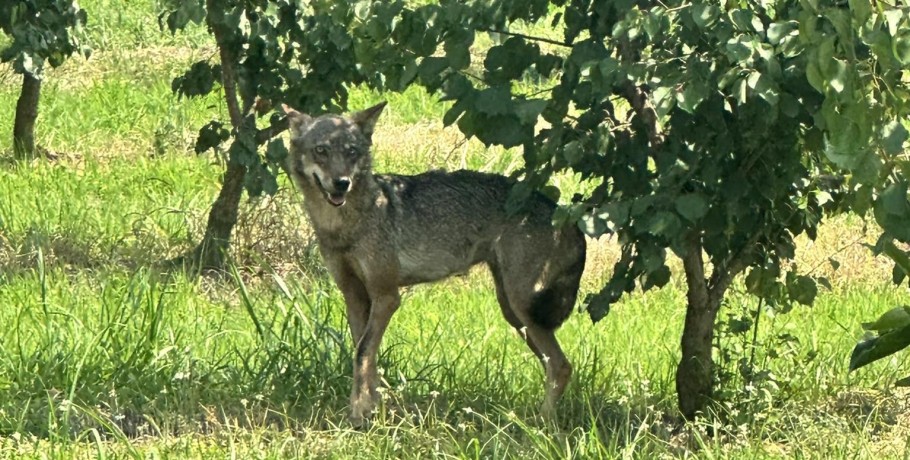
(331, 152)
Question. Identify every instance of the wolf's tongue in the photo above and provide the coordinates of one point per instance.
(336, 200)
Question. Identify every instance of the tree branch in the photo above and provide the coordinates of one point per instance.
(527, 37)
(694, 267)
(638, 96)
(265, 134)
(724, 274)
(638, 99)
(228, 78)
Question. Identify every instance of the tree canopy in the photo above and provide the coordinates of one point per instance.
(704, 130)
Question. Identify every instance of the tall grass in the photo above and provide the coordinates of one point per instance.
(104, 354)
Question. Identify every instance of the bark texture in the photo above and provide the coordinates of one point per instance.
(26, 114)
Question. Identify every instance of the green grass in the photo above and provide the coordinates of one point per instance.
(104, 355)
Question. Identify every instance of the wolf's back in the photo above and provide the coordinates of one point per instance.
(444, 223)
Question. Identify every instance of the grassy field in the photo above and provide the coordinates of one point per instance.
(104, 356)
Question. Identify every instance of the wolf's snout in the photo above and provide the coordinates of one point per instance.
(342, 184)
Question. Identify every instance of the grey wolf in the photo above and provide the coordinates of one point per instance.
(378, 233)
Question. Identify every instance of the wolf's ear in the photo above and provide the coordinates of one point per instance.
(366, 119)
(296, 121)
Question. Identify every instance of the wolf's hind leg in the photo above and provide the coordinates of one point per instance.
(556, 365)
(538, 311)
(508, 312)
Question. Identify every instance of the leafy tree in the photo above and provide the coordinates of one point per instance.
(717, 133)
(869, 120)
(273, 52)
(41, 32)
(708, 131)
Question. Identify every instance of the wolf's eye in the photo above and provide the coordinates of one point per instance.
(320, 150)
(352, 152)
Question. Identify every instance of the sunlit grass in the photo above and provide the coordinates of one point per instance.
(102, 354)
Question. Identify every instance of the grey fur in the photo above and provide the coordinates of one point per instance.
(388, 231)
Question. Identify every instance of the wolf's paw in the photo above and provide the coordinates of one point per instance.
(361, 412)
(359, 422)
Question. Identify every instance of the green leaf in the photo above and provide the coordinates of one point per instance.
(762, 282)
(656, 278)
(901, 260)
(740, 48)
(494, 101)
(211, 135)
(764, 87)
(407, 75)
(778, 30)
(692, 206)
(894, 318)
(510, 60)
(861, 200)
(893, 18)
(802, 289)
(598, 306)
(862, 10)
(836, 73)
(694, 93)
(894, 199)
(814, 76)
(704, 14)
(529, 110)
(892, 211)
(893, 136)
(665, 224)
(198, 81)
(573, 152)
(904, 382)
(593, 226)
(456, 87)
(900, 46)
(587, 52)
(458, 54)
(898, 275)
(789, 105)
(616, 212)
(739, 325)
(871, 350)
(454, 112)
(504, 130)
(665, 99)
(276, 152)
(430, 71)
(745, 21)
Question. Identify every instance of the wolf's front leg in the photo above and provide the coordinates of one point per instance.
(366, 380)
(356, 297)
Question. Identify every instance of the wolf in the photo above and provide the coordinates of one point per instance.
(378, 233)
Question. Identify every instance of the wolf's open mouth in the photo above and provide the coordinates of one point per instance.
(335, 199)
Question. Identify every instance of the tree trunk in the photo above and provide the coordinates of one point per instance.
(695, 372)
(26, 114)
(223, 216)
(217, 239)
